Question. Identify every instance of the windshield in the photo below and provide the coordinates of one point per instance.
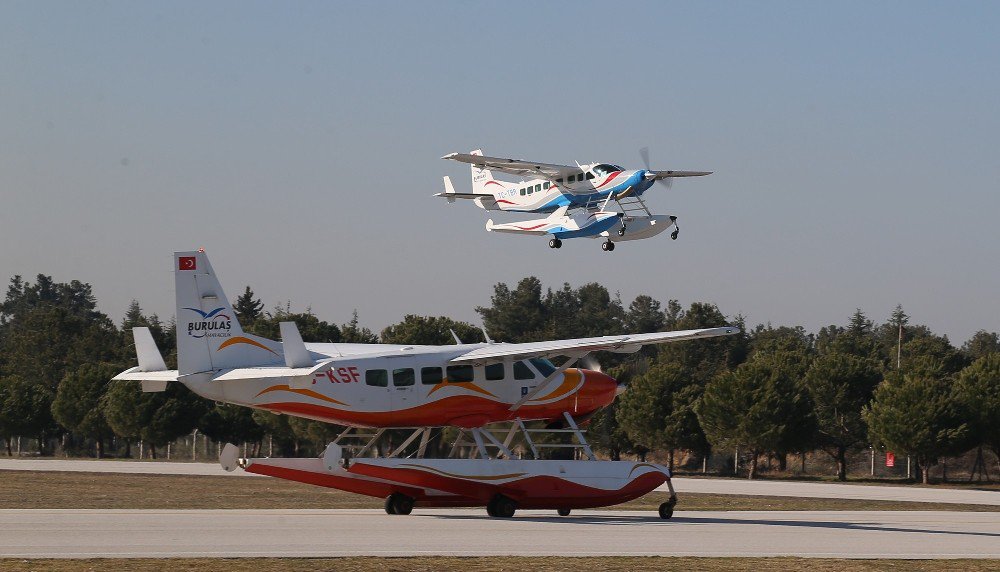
(543, 366)
(605, 168)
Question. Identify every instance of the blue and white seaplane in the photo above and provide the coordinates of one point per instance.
(582, 200)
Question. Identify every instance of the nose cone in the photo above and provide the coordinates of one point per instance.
(601, 385)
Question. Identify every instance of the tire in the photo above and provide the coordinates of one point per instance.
(504, 507)
(611, 246)
(563, 512)
(666, 510)
(604, 246)
(489, 509)
(404, 504)
(398, 504)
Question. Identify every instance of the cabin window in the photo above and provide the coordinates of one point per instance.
(377, 377)
(559, 181)
(522, 371)
(543, 366)
(590, 176)
(571, 179)
(402, 377)
(460, 373)
(494, 372)
(530, 191)
(431, 375)
(538, 188)
(545, 185)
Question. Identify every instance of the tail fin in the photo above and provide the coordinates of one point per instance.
(209, 336)
(480, 177)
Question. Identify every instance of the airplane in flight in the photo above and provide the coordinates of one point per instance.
(376, 387)
(577, 198)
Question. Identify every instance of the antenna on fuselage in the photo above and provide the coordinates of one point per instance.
(454, 335)
(485, 335)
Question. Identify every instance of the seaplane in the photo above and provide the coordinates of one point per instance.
(477, 389)
(595, 200)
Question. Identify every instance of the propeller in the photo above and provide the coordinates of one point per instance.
(644, 153)
(591, 363)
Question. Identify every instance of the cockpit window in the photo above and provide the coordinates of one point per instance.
(605, 168)
(543, 366)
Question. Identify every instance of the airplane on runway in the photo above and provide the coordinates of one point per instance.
(559, 189)
(377, 387)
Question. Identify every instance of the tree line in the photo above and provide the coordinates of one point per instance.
(769, 392)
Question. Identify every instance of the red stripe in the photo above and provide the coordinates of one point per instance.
(610, 178)
(493, 183)
(530, 227)
(504, 201)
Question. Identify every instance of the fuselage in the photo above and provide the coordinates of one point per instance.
(588, 188)
(413, 386)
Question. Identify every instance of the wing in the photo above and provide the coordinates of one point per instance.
(655, 175)
(515, 166)
(627, 343)
(464, 195)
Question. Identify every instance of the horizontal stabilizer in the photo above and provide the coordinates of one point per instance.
(145, 349)
(296, 354)
(267, 372)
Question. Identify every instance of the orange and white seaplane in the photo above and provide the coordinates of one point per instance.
(372, 388)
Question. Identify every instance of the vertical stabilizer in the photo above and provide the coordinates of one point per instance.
(481, 177)
(209, 336)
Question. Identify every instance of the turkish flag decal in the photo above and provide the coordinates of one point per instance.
(186, 263)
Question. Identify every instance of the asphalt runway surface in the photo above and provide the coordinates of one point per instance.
(466, 532)
(681, 484)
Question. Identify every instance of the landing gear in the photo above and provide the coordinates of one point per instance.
(608, 246)
(563, 512)
(677, 229)
(397, 503)
(667, 508)
(621, 231)
(555, 243)
(501, 507)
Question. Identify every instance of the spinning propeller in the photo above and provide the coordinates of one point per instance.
(650, 174)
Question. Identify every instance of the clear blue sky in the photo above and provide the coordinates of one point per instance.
(854, 146)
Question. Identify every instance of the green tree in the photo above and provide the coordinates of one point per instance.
(517, 315)
(761, 406)
(228, 423)
(353, 333)
(644, 315)
(840, 385)
(248, 308)
(77, 402)
(978, 388)
(981, 344)
(311, 328)
(430, 330)
(25, 410)
(917, 414)
(657, 411)
(156, 418)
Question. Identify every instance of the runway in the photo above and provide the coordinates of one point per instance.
(328, 533)
(681, 484)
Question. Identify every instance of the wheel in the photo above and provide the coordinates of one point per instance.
(563, 512)
(621, 231)
(667, 510)
(489, 509)
(673, 235)
(398, 504)
(555, 243)
(604, 246)
(504, 507)
(610, 246)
